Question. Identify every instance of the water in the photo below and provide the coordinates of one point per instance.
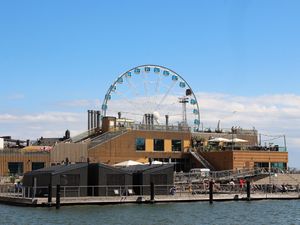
(256, 212)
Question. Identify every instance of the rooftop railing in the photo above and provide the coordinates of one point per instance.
(160, 128)
(237, 147)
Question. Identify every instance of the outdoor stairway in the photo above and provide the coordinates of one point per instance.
(106, 137)
(81, 137)
(202, 160)
(237, 174)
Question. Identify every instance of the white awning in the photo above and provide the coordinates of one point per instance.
(128, 163)
(219, 139)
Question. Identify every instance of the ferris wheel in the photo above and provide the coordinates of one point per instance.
(155, 90)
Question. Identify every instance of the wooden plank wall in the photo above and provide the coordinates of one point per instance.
(229, 160)
(123, 147)
(25, 158)
(75, 152)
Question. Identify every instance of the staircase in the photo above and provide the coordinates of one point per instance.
(83, 136)
(106, 137)
(202, 160)
(236, 174)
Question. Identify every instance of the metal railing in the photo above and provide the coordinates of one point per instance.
(160, 128)
(240, 147)
(183, 191)
(106, 137)
(201, 159)
(224, 175)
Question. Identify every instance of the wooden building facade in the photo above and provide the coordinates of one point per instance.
(16, 162)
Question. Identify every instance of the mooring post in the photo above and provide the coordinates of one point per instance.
(211, 190)
(152, 194)
(58, 196)
(248, 190)
(49, 195)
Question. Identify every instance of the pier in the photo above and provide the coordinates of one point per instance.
(221, 193)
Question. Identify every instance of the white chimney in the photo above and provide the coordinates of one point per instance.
(1, 143)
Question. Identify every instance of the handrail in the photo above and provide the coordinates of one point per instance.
(201, 159)
(106, 137)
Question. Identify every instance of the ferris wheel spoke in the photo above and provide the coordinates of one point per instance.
(165, 96)
(133, 88)
(125, 98)
(148, 101)
(157, 86)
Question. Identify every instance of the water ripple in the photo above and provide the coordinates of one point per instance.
(225, 213)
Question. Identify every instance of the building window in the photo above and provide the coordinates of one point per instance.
(279, 165)
(15, 168)
(261, 164)
(37, 165)
(140, 144)
(159, 145)
(176, 145)
(70, 179)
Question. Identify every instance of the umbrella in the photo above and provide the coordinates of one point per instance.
(238, 140)
(155, 162)
(128, 163)
(219, 139)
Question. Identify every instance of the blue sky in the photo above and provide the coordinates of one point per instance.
(55, 52)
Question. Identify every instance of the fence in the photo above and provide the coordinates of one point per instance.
(183, 190)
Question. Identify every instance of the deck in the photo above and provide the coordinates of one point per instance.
(68, 201)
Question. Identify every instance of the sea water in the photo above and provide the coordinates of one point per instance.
(256, 212)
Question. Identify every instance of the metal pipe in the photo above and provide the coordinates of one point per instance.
(98, 119)
(167, 120)
(89, 119)
(57, 196)
(248, 190)
(211, 195)
(92, 119)
(95, 119)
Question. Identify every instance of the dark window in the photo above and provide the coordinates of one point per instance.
(115, 179)
(37, 165)
(15, 168)
(176, 145)
(261, 164)
(279, 165)
(159, 145)
(140, 144)
(159, 179)
(70, 179)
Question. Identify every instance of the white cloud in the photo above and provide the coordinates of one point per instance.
(16, 96)
(42, 117)
(81, 103)
(48, 124)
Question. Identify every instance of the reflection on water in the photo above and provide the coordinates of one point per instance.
(256, 212)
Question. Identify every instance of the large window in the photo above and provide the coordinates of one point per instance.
(159, 145)
(261, 164)
(176, 145)
(279, 165)
(70, 179)
(37, 165)
(15, 168)
(140, 144)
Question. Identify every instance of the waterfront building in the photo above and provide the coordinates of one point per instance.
(112, 138)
